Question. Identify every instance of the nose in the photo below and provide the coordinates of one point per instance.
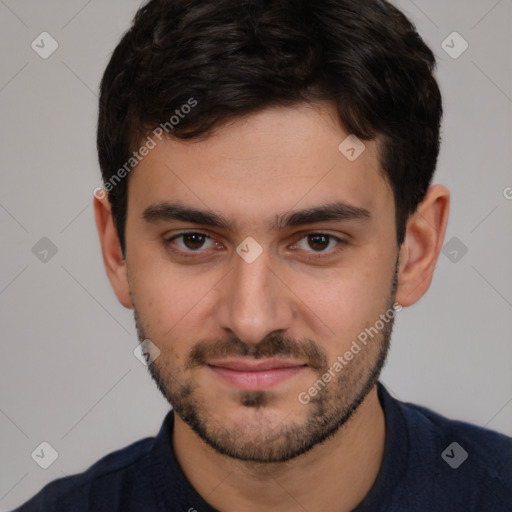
(254, 301)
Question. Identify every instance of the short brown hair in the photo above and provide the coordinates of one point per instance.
(236, 57)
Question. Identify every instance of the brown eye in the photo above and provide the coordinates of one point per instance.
(193, 240)
(315, 246)
(318, 241)
(190, 242)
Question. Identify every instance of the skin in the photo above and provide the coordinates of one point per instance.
(241, 450)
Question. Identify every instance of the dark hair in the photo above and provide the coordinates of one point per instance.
(235, 57)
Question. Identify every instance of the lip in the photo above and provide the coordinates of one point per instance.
(252, 375)
(255, 365)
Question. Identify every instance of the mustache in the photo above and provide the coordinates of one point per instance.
(273, 345)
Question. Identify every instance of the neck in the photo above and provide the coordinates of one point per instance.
(333, 476)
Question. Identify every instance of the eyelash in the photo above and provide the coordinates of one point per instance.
(316, 257)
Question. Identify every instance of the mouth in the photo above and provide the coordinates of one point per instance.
(252, 375)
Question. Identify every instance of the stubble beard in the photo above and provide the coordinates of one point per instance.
(264, 441)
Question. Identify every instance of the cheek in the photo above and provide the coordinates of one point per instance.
(170, 301)
(346, 301)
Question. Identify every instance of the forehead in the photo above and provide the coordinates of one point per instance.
(272, 161)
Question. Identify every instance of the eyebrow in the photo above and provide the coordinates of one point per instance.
(337, 211)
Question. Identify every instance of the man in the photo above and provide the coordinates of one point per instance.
(267, 212)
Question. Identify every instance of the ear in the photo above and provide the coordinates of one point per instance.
(115, 264)
(422, 244)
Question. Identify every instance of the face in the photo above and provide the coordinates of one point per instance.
(256, 259)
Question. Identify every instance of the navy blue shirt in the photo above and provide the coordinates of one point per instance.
(430, 463)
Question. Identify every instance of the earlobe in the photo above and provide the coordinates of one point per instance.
(115, 264)
(422, 245)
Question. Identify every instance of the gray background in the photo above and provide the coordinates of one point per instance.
(68, 375)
